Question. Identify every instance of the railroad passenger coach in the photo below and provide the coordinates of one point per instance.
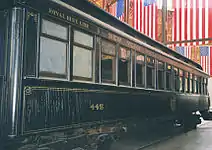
(73, 73)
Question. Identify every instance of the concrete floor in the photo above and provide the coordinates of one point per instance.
(200, 139)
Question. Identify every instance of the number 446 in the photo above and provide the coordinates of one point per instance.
(97, 107)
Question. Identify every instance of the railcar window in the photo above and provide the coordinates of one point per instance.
(206, 86)
(203, 86)
(53, 50)
(124, 66)
(181, 81)
(54, 29)
(197, 85)
(194, 84)
(168, 76)
(150, 72)
(83, 38)
(191, 83)
(200, 85)
(108, 61)
(140, 69)
(186, 82)
(160, 75)
(176, 79)
(82, 55)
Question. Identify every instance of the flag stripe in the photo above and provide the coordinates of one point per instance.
(206, 20)
(186, 18)
(203, 20)
(210, 60)
(192, 19)
(145, 15)
(210, 18)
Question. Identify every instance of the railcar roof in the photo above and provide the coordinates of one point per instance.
(102, 15)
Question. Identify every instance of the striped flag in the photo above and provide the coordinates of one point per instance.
(188, 51)
(192, 20)
(112, 9)
(145, 17)
(180, 50)
(205, 56)
(120, 10)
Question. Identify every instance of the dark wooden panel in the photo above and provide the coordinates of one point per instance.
(30, 52)
(56, 107)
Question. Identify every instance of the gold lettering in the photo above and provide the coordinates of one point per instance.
(68, 18)
(97, 107)
(56, 13)
(74, 20)
(51, 11)
(84, 24)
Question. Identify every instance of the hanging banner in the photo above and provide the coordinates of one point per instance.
(169, 24)
(159, 25)
(99, 3)
(131, 13)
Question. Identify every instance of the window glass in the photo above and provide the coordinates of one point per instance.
(160, 75)
(108, 62)
(82, 62)
(82, 38)
(197, 84)
(191, 83)
(206, 86)
(52, 56)
(82, 56)
(140, 69)
(181, 80)
(168, 77)
(54, 29)
(124, 66)
(150, 74)
(176, 79)
(194, 84)
(53, 50)
(200, 85)
(186, 82)
(203, 86)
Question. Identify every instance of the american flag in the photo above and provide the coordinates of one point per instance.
(204, 54)
(192, 20)
(188, 51)
(205, 58)
(120, 9)
(180, 50)
(145, 17)
(185, 51)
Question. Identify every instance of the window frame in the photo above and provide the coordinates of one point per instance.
(46, 74)
(92, 49)
(128, 83)
(170, 76)
(176, 80)
(163, 70)
(153, 68)
(143, 65)
(187, 81)
(115, 73)
(182, 83)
